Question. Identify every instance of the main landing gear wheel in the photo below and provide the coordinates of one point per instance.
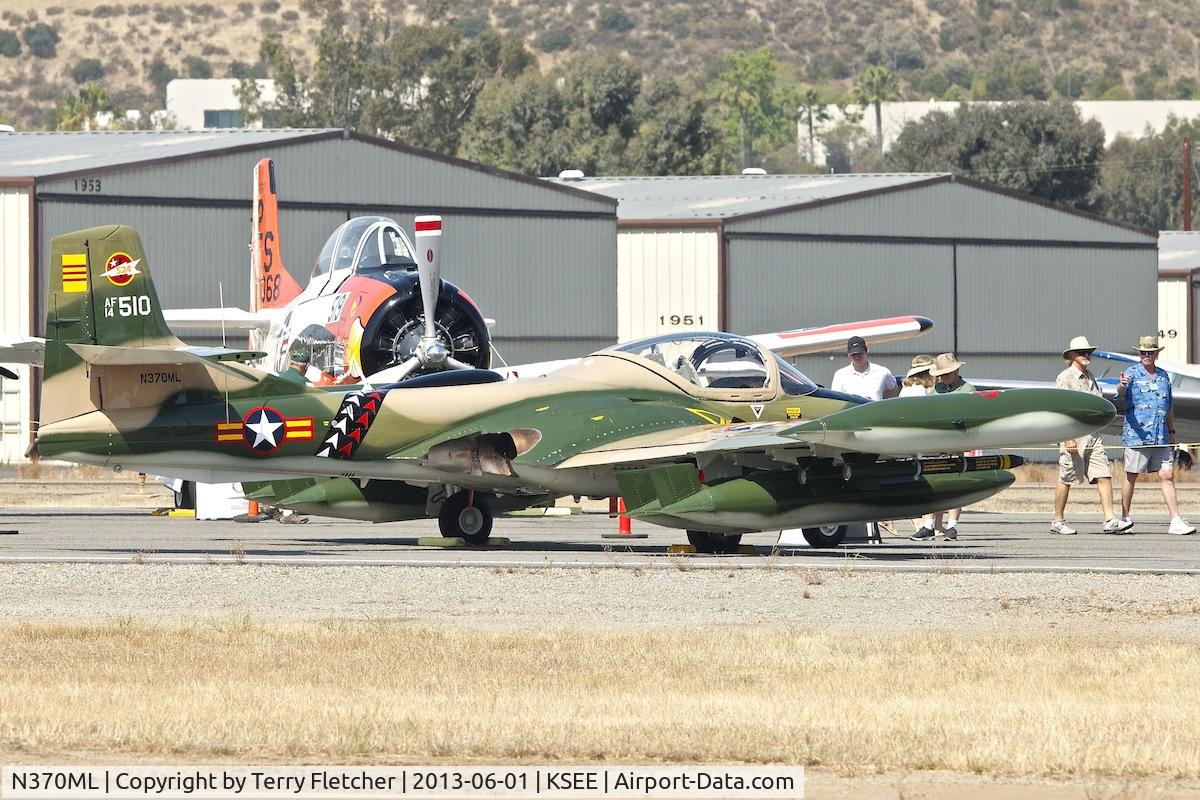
(465, 514)
(825, 535)
(718, 543)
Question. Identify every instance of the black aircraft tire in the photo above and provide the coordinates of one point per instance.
(473, 525)
(818, 537)
(717, 543)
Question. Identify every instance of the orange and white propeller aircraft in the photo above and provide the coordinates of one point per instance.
(362, 310)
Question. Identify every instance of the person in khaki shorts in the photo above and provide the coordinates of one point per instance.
(1083, 460)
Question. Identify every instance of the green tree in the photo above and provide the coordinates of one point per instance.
(88, 70)
(1141, 180)
(614, 18)
(10, 45)
(250, 102)
(197, 68)
(813, 112)
(1044, 149)
(77, 111)
(758, 106)
(675, 133)
(41, 39)
(430, 78)
(520, 125)
(160, 74)
(873, 87)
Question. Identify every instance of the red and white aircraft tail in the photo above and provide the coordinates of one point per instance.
(271, 285)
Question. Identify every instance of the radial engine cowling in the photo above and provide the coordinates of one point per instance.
(395, 328)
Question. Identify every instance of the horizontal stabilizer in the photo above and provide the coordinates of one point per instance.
(218, 318)
(22, 350)
(102, 355)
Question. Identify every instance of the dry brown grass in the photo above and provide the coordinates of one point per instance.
(42, 471)
(1059, 706)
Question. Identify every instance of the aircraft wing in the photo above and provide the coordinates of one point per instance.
(21, 350)
(833, 337)
(217, 318)
(903, 426)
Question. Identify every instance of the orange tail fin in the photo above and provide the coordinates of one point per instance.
(271, 286)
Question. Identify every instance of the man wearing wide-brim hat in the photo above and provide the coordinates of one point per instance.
(1149, 430)
(1083, 459)
(946, 369)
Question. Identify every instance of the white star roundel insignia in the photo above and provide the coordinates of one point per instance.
(263, 430)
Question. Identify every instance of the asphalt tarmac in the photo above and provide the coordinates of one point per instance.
(988, 542)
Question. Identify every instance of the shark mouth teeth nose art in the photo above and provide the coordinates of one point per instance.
(349, 426)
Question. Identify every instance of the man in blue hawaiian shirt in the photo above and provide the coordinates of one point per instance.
(1149, 432)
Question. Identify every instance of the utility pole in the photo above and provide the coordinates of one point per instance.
(1187, 184)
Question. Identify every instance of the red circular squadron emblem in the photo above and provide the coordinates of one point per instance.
(120, 269)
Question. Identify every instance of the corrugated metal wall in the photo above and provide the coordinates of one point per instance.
(941, 209)
(345, 171)
(1173, 322)
(14, 317)
(667, 280)
(1016, 303)
(777, 285)
(1004, 302)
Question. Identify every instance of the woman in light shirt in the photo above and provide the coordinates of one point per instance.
(918, 382)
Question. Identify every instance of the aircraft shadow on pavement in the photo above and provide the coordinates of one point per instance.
(517, 546)
(212, 551)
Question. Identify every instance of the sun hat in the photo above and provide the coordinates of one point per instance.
(920, 364)
(1078, 345)
(1148, 344)
(946, 363)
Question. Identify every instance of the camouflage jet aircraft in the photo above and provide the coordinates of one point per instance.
(706, 432)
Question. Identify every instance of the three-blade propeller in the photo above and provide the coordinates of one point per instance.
(431, 352)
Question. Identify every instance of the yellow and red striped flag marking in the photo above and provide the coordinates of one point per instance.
(74, 272)
(300, 429)
(229, 431)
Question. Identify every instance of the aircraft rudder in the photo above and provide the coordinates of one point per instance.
(271, 285)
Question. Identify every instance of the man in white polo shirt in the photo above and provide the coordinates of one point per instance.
(861, 377)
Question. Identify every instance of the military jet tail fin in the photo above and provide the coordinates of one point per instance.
(107, 345)
(100, 293)
(271, 285)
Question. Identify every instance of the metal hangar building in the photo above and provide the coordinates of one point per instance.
(538, 258)
(1008, 279)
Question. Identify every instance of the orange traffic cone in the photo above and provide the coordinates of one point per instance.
(624, 528)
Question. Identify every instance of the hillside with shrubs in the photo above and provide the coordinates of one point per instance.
(946, 49)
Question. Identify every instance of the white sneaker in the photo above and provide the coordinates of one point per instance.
(1117, 525)
(1179, 527)
(1061, 527)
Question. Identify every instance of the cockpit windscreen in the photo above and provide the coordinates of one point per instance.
(365, 243)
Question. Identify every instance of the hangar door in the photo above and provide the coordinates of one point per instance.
(779, 282)
(1020, 305)
(15, 425)
(667, 280)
